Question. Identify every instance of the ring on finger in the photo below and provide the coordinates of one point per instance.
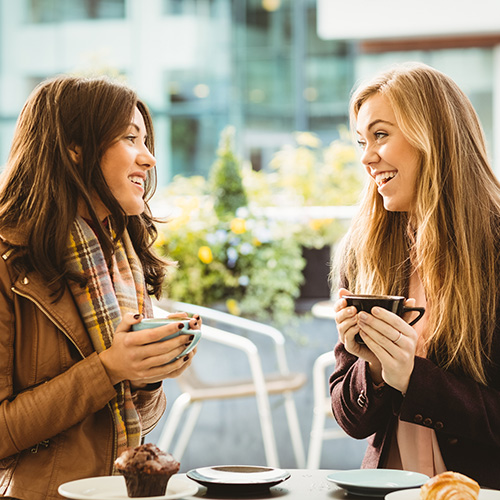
(398, 339)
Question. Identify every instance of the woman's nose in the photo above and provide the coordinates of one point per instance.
(146, 158)
(369, 155)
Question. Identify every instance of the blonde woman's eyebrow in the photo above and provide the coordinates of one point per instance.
(376, 122)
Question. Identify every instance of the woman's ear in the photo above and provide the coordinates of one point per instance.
(75, 152)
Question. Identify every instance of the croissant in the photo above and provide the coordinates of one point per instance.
(450, 486)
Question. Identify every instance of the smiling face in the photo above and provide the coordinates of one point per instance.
(390, 160)
(125, 165)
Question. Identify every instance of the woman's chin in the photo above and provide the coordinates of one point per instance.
(394, 206)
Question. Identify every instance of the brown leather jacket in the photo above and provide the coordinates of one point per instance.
(55, 423)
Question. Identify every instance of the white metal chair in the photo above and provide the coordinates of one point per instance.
(260, 386)
(322, 405)
(322, 409)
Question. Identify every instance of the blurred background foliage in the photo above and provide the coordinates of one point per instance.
(270, 68)
(232, 250)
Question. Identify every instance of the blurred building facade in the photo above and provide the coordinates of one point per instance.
(259, 65)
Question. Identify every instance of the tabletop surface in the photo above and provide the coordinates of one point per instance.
(303, 484)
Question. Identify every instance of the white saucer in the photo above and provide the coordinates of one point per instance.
(113, 487)
(376, 482)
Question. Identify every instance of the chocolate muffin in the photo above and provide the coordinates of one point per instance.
(147, 470)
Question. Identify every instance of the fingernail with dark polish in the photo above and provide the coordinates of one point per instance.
(180, 326)
(186, 358)
(137, 316)
(191, 337)
(196, 323)
(196, 317)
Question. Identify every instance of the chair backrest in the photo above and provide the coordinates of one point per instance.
(230, 320)
(238, 324)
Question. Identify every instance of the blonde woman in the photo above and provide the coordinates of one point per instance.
(428, 396)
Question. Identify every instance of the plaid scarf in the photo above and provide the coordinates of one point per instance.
(102, 302)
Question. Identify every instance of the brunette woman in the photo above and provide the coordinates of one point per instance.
(77, 271)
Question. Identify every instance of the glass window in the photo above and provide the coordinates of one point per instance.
(269, 29)
(199, 109)
(256, 64)
(43, 11)
(209, 8)
(50, 11)
(268, 90)
(194, 141)
(179, 7)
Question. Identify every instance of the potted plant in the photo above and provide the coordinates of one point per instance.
(243, 239)
(249, 264)
(307, 181)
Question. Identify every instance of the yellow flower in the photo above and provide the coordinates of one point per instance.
(233, 307)
(238, 226)
(205, 255)
(307, 139)
(160, 240)
(178, 222)
(317, 224)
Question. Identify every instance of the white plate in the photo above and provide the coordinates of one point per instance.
(376, 482)
(113, 487)
(230, 477)
(414, 494)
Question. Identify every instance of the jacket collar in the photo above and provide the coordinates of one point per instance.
(15, 236)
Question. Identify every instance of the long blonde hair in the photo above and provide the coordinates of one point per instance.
(452, 236)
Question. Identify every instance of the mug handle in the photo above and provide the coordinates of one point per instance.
(420, 310)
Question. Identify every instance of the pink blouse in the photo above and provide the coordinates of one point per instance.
(414, 447)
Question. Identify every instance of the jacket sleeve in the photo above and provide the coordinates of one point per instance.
(24, 417)
(150, 406)
(360, 408)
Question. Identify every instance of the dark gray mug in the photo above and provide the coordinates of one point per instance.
(393, 303)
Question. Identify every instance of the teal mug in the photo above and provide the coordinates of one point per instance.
(156, 322)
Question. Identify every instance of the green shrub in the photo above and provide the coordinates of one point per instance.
(227, 185)
(230, 252)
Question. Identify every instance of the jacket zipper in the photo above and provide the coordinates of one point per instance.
(37, 303)
(45, 443)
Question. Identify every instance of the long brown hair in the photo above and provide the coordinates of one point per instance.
(42, 185)
(452, 236)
